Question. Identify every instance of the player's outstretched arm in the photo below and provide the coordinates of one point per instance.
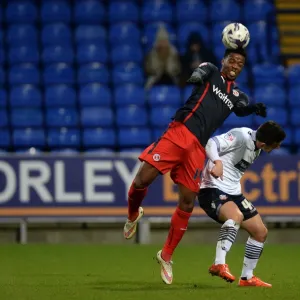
(243, 108)
(212, 153)
(202, 73)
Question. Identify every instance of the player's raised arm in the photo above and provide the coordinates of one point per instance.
(202, 73)
(243, 108)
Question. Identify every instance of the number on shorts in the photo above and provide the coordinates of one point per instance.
(247, 204)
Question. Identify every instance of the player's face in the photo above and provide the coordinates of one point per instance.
(270, 148)
(233, 65)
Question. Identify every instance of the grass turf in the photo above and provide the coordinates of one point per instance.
(63, 272)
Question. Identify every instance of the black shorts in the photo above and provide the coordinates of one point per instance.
(211, 200)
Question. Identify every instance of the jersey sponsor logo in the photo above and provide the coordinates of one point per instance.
(235, 93)
(223, 97)
(242, 165)
(229, 136)
(156, 157)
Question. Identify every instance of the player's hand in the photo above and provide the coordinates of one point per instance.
(217, 170)
(260, 110)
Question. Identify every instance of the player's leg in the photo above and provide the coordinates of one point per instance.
(157, 159)
(187, 177)
(179, 223)
(231, 217)
(254, 248)
(137, 192)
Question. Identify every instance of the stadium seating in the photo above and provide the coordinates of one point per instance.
(72, 76)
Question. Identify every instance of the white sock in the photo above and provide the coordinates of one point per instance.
(227, 236)
(252, 254)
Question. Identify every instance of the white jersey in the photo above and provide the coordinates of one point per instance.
(237, 152)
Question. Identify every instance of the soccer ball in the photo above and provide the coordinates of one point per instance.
(235, 35)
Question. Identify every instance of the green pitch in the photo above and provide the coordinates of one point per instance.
(44, 272)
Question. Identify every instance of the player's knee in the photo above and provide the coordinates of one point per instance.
(261, 234)
(145, 176)
(187, 204)
(238, 217)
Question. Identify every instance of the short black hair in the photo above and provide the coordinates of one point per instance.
(240, 51)
(270, 133)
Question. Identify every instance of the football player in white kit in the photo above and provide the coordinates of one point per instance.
(229, 156)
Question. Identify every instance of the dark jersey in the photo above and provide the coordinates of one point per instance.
(211, 103)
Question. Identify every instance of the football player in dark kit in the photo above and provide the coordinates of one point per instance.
(180, 150)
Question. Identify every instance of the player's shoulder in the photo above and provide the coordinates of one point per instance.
(239, 134)
(241, 95)
(209, 66)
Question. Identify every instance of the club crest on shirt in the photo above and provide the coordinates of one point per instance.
(156, 157)
(235, 93)
(223, 197)
(229, 136)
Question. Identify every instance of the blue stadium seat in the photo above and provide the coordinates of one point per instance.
(21, 12)
(185, 29)
(256, 10)
(280, 151)
(190, 10)
(271, 94)
(124, 33)
(268, 73)
(216, 31)
(97, 117)
(55, 11)
(288, 141)
(294, 96)
(26, 95)
(234, 121)
(154, 11)
(278, 115)
(224, 10)
(2, 55)
(95, 94)
(24, 73)
(296, 136)
(131, 115)
(95, 151)
(58, 73)
(260, 31)
(3, 118)
(57, 54)
(62, 117)
(165, 95)
(21, 34)
(89, 11)
(2, 75)
(63, 137)
(129, 94)
(150, 31)
(157, 133)
(126, 53)
(23, 54)
(93, 72)
(187, 91)
(243, 77)
(29, 138)
(64, 151)
(128, 73)
(120, 11)
(5, 141)
(131, 151)
(134, 137)
(161, 116)
(60, 95)
(56, 34)
(87, 53)
(99, 137)
(26, 117)
(3, 97)
(219, 52)
(294, 74)
(1, 37)
(295, 117)
(90, 34)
